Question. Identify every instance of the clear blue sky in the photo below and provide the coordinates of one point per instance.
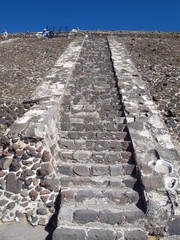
(34, 15)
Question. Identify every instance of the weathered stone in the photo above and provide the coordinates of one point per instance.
(109, 217)
(3, 202)
(15, 166)
(4, 141)
(28, 181)
(42, 211)
(99, 170)
(25, 156)
(35, 166)
(11, 205)
(26, 173)
(68, 234)
(12, 184)
(45, 192)
(5, 163)
(47, 183)
(152, 183)
(19, 215)
(31, 152)
(46, 169)
(2, 173)
(173, 226)
(42, 222)
(33, 195)
(81, 170)
(85, 216)
(115, 170)
(24, 193)
(100, 234)
(65, 170)
(46, 156)
(135, 235)
(84, 194)
(7, 194)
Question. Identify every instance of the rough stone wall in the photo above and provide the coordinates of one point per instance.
(158, 61)
(28, 181)
(24, 65)
(156, 156)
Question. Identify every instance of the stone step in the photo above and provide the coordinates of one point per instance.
(104, 157)
(99, 213)
(95, 145)
(89, 170)
(99, 181)
(117, 196)
(96, 126)
(77, 232)
(95, 135)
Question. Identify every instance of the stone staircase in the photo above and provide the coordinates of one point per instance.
(100, 190)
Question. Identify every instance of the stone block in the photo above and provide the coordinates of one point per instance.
(99, 170)
(109, 217)
(135, 235)
(5, 163)
(85, 215)
(84, 194)
(152, 183)
(132, 216)
(33, 195)
(46, 169)
(100, 234)
(115, 170)
(13, 184)
(46, 156)
(68, 234)
(66, 194)
(65, 170)
(82, 155)
(81, 170)
(128, 169)
(174, 226)
(69, 144)
(130, 182)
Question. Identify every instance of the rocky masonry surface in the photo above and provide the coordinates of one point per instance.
(24, 65)
(92, 149)
(157, 58)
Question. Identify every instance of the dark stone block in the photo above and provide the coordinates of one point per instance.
(12, 184)
(68, 234)
(83, 194)
(46, 156)
(174, 226)
(65, 170)
(100, 234)
(11, 205)
(109, 217)
(85, 216)
(152, 183)
(135, 235)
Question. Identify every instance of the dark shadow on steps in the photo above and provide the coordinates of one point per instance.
(52, 224)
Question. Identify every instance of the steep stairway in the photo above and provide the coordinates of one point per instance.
(100, 193)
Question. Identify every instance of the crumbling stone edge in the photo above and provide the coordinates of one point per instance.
(28, 150)
(156, 157)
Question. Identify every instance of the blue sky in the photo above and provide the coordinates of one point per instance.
(34, 15)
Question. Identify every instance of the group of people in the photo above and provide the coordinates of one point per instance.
(5, 35)
(48, 33)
